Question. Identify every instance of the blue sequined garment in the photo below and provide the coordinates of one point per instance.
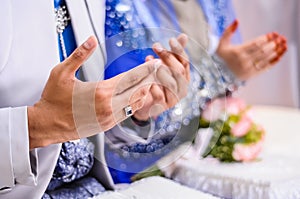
(83, 188)
(75, 161)
(208, 79)
(131, 49)
(219, 14)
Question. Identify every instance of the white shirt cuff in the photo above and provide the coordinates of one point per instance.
(18, 164)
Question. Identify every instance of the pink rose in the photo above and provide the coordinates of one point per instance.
(214, 109)
(234, 105)
(247, 152)
(219, 106)
(242, 127)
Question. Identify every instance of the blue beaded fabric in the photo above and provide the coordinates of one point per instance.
(87, 187)
(75, 161)
(208, 80)
(219, 14)
(131, 49)
(70, 177)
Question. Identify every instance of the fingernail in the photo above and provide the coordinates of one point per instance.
(88, 44)
(274, 36)
(183, 36)
(234, 25)
(284, 39)
(174, 42)
(158, 47)
(274, 60)
(149, 58)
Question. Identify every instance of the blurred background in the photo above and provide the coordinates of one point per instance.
(281, 84)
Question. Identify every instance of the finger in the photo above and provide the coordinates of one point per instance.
(255, 44)
(280, 54)
(281, 46)
(180, 54)
(174, 85)
(149, 58)
(183, 39)
(133, 94)
(174, 96)
(80, 55)
(179, 51)
(120, 115)
(169, 84)
(159, 104)
(134, 76)
(154, 105)
(264, 63)
(271, 58)
(165, 78)
(168, 58)
(264, 51)
(270, 52)
(229, 31)
(182, 85)
(157, 94)
(273, 44)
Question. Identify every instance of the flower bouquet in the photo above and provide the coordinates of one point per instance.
(227, 132)
(235, 137)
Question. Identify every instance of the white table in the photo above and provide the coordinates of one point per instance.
(277, 175)
(155, 188)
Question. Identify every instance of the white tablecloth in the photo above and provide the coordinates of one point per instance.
(155, 188)
(275, 176)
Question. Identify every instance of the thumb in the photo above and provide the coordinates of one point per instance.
(229, 31)
(80, 55)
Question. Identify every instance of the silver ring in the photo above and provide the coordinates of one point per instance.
(128, 111)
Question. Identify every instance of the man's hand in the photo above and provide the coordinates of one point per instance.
(161, 98)
(70, 109)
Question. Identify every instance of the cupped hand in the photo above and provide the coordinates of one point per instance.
(253, 57)
(70, 109)
(164, 96)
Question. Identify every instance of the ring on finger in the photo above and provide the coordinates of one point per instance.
(128, 111)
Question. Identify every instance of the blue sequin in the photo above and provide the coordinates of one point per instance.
(46, 196)
(75, 161)
(219, 14)
(125, 38)
(83, 188)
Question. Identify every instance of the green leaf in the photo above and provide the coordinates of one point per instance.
(151, 171)
(203, 123)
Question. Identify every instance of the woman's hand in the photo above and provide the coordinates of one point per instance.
(70, 109)
(253, 57)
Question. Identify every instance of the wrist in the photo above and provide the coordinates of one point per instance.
(141, 123)
(46, 127)
(34, 127)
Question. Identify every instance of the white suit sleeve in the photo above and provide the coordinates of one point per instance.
(18, 164)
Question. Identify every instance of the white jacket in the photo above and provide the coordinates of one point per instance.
(28, 52)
